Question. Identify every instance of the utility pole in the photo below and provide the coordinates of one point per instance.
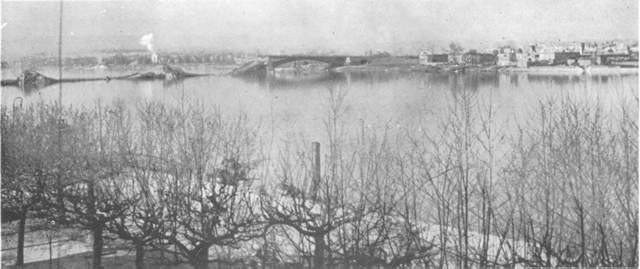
(60, 55)
(59, 200)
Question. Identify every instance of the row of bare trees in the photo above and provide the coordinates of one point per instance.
(560, 190)
(169, 177)
(197, 184)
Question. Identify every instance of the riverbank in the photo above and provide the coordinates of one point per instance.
(537, 70)
(445, 68)
(571, 70)
(409, 64)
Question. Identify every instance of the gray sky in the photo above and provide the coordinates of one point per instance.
(300, 25)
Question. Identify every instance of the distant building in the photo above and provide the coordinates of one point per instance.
(474, 58)
(614, 48)
(455, 58)
(505, 55)
(588, 48)
(566, 58)
(633, 52)
(542, 54)
(423, 58)
(504, 59)
(522, 59)
(614, 59)
(572, 47)
(426, 58)
(546, 57)
(586, 60)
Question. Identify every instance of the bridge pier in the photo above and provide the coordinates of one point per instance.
(269, 67)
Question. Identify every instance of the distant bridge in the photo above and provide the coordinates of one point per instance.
(267, 63)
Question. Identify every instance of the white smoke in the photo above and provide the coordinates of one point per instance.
(147, 41)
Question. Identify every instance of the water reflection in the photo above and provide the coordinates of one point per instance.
(557, 80)
(294, 80)
(454, 81)
(294, 104)
(286, 81)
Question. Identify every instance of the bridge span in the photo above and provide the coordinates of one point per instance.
(267, 63)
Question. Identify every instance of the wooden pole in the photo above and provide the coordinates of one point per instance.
(320, 245)
(315, 166)
(60, 54)
(50, 237)
(59, 188)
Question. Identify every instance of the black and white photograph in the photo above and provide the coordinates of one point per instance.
(319, 134)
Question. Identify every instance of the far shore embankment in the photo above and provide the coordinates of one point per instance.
(398, 64)
(572, 70)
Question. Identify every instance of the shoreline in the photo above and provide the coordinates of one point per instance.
(569, 70)
(535, 70)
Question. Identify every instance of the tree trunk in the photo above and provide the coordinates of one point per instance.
(634, 243)
(200, 265)
(200, 260)
(318, 255)
(21, 229)
(139, 255)
(97, 245)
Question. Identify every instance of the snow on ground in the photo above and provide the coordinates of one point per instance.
(37, 245)
(72, 241)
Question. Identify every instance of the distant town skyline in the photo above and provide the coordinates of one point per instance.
(299, 26)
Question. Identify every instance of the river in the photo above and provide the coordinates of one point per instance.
(289, 106)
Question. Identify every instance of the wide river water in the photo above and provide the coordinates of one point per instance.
(294, 106)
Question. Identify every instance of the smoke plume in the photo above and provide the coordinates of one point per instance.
(147, 41)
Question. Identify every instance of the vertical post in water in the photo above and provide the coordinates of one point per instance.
(269, 67)
(315, 166)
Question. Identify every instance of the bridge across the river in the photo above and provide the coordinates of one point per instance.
(267, 63)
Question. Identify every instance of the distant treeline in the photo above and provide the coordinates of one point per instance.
(132, 58)
(562, 190)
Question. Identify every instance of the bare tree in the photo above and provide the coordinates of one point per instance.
(309, 199)
(566, 163)
(312, 215)
(89, 197)
(26, 164)
(208, 199)
(145, 159)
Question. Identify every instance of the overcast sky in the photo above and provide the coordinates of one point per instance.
(300, 25)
